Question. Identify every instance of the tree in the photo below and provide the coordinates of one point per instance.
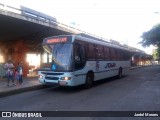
(156, 54)
(152, 37)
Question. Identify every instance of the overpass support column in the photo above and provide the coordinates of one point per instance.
(19, 55)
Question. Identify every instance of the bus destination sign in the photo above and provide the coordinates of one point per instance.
(57, 40)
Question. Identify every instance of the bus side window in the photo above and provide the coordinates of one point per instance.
(107, 53)
(99, 52)
(91, 54)
(79, 55)
(113, 54)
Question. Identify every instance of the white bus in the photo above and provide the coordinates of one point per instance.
(77, 60)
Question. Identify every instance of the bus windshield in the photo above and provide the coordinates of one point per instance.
(61, 56)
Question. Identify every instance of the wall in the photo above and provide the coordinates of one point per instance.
(16, 51)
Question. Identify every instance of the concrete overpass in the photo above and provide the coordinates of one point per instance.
(28, 24)
(22, 31)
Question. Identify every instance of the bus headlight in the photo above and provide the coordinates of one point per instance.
(40, 76)
(65, 78)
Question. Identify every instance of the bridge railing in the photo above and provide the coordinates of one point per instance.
(29, 13)
(5, 7)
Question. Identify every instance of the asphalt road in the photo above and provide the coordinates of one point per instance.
(138, 91)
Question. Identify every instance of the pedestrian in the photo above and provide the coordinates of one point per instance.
(17, 76)
(20, 71)
(9, 71)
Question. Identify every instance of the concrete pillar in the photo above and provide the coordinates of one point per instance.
(19, 55)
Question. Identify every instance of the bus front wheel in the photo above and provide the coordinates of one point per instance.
(89, 80)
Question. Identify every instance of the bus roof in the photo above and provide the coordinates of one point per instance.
(100, 42)
(85, 38)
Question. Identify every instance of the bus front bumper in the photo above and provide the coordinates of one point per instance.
(55, 82)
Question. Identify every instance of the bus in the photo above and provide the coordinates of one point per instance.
(80, 60)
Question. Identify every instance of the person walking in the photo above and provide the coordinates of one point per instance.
(9, 71)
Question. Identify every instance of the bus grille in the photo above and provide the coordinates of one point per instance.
(51, 78)
(52, 73)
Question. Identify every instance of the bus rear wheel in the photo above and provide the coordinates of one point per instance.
(89, 80)
(120, 73)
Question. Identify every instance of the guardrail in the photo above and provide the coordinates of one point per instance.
(27, 12)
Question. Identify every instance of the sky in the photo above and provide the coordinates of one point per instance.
(121, 20)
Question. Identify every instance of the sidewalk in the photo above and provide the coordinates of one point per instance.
(135, 67)
(29, 83)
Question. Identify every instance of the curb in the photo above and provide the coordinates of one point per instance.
(139, 67)
(136, 67)
(37, 87)
(21, 90)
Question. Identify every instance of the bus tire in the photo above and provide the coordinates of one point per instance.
(89, 80)
(120, 73)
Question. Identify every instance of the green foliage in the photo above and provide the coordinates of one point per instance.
(156, 54)
(151, 37)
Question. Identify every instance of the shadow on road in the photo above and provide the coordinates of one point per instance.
(62, 89)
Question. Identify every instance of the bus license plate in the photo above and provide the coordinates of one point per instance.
(62, 82)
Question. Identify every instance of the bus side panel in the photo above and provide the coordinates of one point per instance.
(105, 69)
(80, 75)
(79, 79)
